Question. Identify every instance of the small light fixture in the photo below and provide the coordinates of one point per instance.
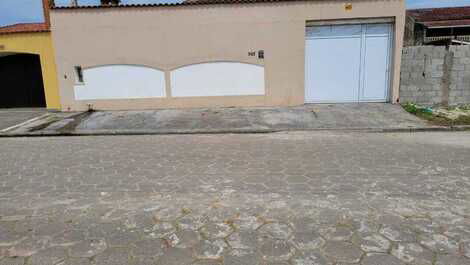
(348, 6)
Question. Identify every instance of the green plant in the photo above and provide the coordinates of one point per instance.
(410, 107)
(437, 117)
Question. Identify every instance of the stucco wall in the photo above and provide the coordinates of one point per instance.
(40, 44)
(169, 37)
(434, 75)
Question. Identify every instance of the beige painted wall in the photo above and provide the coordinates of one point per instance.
(169, 37)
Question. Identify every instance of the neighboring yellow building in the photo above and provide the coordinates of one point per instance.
(38, 43)
(24, 48)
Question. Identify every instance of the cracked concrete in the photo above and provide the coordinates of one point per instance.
(287, 198)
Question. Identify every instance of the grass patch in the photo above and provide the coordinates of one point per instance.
(462, 120)
(434, 118)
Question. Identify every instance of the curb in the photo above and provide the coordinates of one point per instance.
(232, 131)
(138, 132)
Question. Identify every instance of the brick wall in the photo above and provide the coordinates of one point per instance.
(433, 75)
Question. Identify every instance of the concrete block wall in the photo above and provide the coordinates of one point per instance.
(435, 75)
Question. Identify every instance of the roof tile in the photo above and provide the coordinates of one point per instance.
(437, 14)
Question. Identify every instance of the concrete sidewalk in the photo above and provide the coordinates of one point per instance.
(371, 116)
(15, 116)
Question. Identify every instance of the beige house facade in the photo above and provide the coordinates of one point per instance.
(228, 53)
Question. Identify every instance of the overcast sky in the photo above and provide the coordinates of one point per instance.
(30, 11)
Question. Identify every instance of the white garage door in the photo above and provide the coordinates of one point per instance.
(347, 63)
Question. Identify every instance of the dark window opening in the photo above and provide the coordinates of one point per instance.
(79, 74)
(464, 31)
(438, 32)
(444, 32)
(110, 2)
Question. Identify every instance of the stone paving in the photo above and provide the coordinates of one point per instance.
(280, 199)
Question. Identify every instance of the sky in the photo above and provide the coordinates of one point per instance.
(20, 11)
(410, 3)
(30, 11)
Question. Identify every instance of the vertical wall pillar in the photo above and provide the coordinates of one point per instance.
(446, 77)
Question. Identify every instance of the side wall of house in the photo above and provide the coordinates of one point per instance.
(169, 38)
(434, 75)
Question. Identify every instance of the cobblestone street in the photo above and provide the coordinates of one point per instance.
(308, 198)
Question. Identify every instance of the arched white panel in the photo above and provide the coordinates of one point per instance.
(120, 82)
(217, 79)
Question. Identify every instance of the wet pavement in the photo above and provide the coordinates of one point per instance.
(286, 198)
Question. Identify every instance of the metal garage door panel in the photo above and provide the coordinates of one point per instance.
(347, 63)
(375, 67)
(332, 65)
(375, 70)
